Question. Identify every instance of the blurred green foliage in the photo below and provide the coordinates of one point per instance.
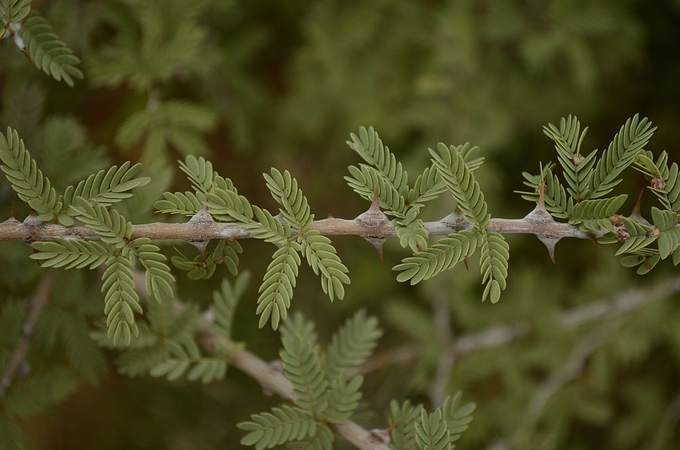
(254, 84)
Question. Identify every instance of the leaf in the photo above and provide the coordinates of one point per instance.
(121, 301)
(47, 52)
(577, 168)
(159, 280)
(351, 345)
(493, 264)
(106, 187)
(277, 427)
(38, 391)
(594, 214)
(187, 204)
(370, 147)
(365, 179)
(284, 189)
(404, 418)
(277, 286)
(639, 238)
(621, 153)
(457, 416)
(432, 432)
(302, 367)
(191, 365)
(324, 261)
(343, 399)
(224, 304)
(410, 230)
(321, 440)
(461, 182)
(442, 256)
(557, 202)
(26, 179)
(110, 226)
(14, 11)
(70, 254)
(669, 232)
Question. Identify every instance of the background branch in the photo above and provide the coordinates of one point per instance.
(36, 307)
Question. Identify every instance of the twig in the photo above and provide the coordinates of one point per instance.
(496, 336)
(18, 357)
(13, 230)
(269, 376)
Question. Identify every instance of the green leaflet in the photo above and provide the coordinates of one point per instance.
(363, 181)
(26, 179)
(461, 182)
(224, 303)
(324, 261)
(186, 360)
(594, 214)
(343, 399)
(47, 52)
(14, 11)
(577, 168)
(110, 226)
(669, 233)
(370, 147)
(277, 286)
(432, 431)
(106, 187)
(120, 301)
(284, 189)
(187, 204)
(277, 427)
(321, 440)
(351, 345)
(639, 238)
(442, 256)
(493, 264)
(70, 254)
(621, 153)
(302, 367)
(203, 267)
(457, 416)
(410, 230)
(158, 279)
(405, 417)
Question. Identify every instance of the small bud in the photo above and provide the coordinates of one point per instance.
(616, 220)
(658, 183)
(654, 233)
(622, 235)
(577, 159)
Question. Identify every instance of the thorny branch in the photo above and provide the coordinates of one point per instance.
(18, 357)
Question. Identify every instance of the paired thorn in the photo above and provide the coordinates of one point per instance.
(373, 217)
(541, 215)
(201, 217)
(635, 214)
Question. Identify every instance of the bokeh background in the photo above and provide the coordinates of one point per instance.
(255, 84)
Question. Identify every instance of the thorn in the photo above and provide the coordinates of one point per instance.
(377, 242)
(330, 216)
(32, 220)
(550, 245)
(375, 204)
(455, 217)
(380, 436)
(594, 241)
(541, 198)
(201, 217)
(539, 213)
(635, 214)
(466, 263)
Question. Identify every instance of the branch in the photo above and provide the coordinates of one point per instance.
(496, 336)
(18, 357)
(271, 378)
(30, 231)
